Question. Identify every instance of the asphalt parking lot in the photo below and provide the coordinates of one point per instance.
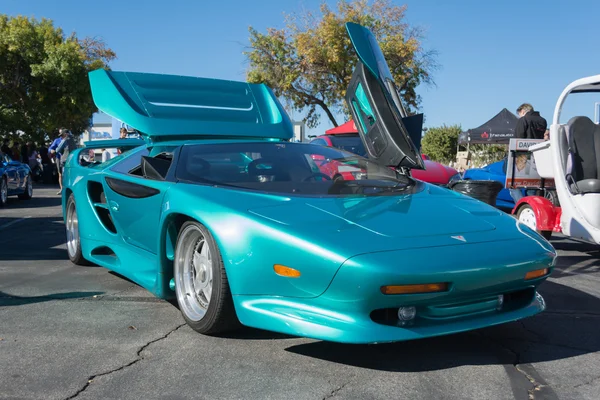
(83, 332)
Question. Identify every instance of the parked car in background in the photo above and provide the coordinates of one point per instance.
(494, 172)
(435, 173)
(15, 179)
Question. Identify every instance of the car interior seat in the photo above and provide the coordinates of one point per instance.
(155, 168)
(581, 155)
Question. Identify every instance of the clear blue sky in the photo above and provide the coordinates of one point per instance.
(492, 54)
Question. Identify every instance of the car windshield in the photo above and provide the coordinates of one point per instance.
(289, 168)
(353, 144)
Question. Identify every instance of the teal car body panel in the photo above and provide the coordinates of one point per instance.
(165, 106)
(346, 246)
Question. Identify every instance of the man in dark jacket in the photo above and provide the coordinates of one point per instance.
(531, 125)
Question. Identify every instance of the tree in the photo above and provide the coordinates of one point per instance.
(310, 61)
(440, 143)
(484, 154)
(43, 77)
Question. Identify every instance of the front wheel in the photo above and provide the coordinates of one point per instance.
(3, 191)
(201, 283)
(28, 194)
(526, 215)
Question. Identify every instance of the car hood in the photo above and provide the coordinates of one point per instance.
(431, 218)
(380, 216)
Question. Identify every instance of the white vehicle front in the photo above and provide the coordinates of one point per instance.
(572, 158)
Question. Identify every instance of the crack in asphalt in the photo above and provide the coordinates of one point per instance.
(522, 368)
(139, 358)
(573, 313)
(588, 382)
(536, 385)
(335, 391)
(97, 297)
(526, 329)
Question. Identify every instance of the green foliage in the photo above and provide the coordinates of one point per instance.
(43, 77)
(310, 61)
(483, 154)
(440, 143)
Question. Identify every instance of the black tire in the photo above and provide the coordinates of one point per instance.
(546, 234)
(552, 197)
(74, 249)
(3, 191)
(28, 190)
(219, 315)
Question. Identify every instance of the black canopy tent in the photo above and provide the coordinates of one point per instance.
(498, 130)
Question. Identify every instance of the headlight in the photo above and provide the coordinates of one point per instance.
(359, 175)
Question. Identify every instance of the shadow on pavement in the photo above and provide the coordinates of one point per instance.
(35, 202)
(585, 261)
(38, 238)
(566, 244)
(7, 300)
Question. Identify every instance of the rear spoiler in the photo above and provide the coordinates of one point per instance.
(112, 143)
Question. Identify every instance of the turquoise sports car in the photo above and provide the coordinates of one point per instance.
(217, 208)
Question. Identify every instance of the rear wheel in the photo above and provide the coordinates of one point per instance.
(28, 190)
(552, 197)
(3, 191)
(526, 215)
(201, 283)
(73, 239)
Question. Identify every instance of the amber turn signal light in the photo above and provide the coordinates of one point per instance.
(538, 273)
(414, 289)
(288, 272)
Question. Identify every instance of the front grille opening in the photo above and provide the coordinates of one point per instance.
(511, 301)
(519, 299)
(385, 316)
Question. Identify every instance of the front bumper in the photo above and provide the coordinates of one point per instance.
(353, 309)
(300, 318)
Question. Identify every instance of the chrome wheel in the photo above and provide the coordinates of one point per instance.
(72, 230)
(3, 191)
(193, 273)
(527, 216)
(29, 187)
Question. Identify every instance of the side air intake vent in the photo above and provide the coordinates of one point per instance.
(98, 198)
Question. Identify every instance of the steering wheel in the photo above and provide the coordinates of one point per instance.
(315, 175)
(253, 169)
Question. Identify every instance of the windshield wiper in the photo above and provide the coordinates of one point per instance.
(359, 186)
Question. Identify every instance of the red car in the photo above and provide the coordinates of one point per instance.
(345, 137)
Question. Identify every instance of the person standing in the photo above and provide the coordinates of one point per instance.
(531, 125)
(122, 135)
(62, 134)
(105, 155)
(5, 147)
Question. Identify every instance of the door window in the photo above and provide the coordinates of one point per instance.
(132, 164)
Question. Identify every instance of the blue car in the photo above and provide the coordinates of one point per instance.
(15, 179)
(494, 172)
